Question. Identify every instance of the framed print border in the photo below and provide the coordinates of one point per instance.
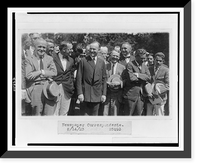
(121, 154)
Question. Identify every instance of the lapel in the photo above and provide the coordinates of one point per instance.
(91, 62)
(158, 72)
(57, 60)
(136, 68)
(35, 62)
(97, 66)
(118, 69)
(68, 64)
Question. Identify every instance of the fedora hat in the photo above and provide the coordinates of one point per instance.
(160, 87)
(115, 79)
(51, 90)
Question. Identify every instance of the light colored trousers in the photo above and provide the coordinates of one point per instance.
(157, 110)
(63, 103)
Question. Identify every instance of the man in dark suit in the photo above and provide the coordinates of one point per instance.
(91, 81)
(65, 78)
(138, 75)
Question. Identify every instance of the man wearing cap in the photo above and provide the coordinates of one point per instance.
(114, 85)
(39, 67)
(161, 84)
(138, 75)
(65, 77)
(91, 81)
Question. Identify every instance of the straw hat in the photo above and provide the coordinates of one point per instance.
(51, 90)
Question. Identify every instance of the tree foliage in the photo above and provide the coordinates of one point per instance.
(152, 42)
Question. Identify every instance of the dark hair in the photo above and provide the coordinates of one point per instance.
(140, 52)
(49, 40)
(160, 54)
(64, 44)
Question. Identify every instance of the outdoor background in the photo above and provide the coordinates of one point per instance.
(152, 42)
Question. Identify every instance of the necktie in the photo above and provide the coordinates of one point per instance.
(94, 61)
(113, 69)
(41, 64)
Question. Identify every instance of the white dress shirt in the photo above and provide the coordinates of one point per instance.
(115, 67)
(95, 59)
(63, 61)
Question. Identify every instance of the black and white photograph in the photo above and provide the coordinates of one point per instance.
(96, 80)
(95, 74)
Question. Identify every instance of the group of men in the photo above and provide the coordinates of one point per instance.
(55, 80)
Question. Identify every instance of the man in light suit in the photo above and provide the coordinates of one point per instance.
(161, 84)
(39, 67)
(91, 81)
(138, 75)
(65, 77)
(114, 90)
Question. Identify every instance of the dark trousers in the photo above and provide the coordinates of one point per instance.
(133, 107)
(89, 108)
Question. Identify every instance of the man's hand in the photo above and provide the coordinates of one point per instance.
(81, 98)
(136, 74)
(34, 74)
(103, 98)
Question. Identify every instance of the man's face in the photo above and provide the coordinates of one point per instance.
(94, 48)
(150, 59)
(50, 48)
(126, 49)
(34, 38)
(141, 58)
(159, 61)
(56, 49)
(67, 51)
(40, 48)
(115, 58)
(104, 53)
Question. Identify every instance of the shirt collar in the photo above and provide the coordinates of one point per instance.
(95, 58)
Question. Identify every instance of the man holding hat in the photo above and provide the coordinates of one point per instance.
(114, 85)
(138, 75)
(65, 78)
(39, 68)
(160, 85)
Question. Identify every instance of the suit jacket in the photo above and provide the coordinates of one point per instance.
(162, 76)
(133, 84)
(32, 67)
(119, 69)
(123, 61)
(66, 78)
(91, 79)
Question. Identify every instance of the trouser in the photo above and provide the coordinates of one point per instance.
(112, 105)
(40, 104)
(89, 108)
(158, 109)
(133, 107)
(63, 103)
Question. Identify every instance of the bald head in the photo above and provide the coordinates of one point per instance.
(40, 47)
(126, 49)
(94, 49)
(40, 41)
